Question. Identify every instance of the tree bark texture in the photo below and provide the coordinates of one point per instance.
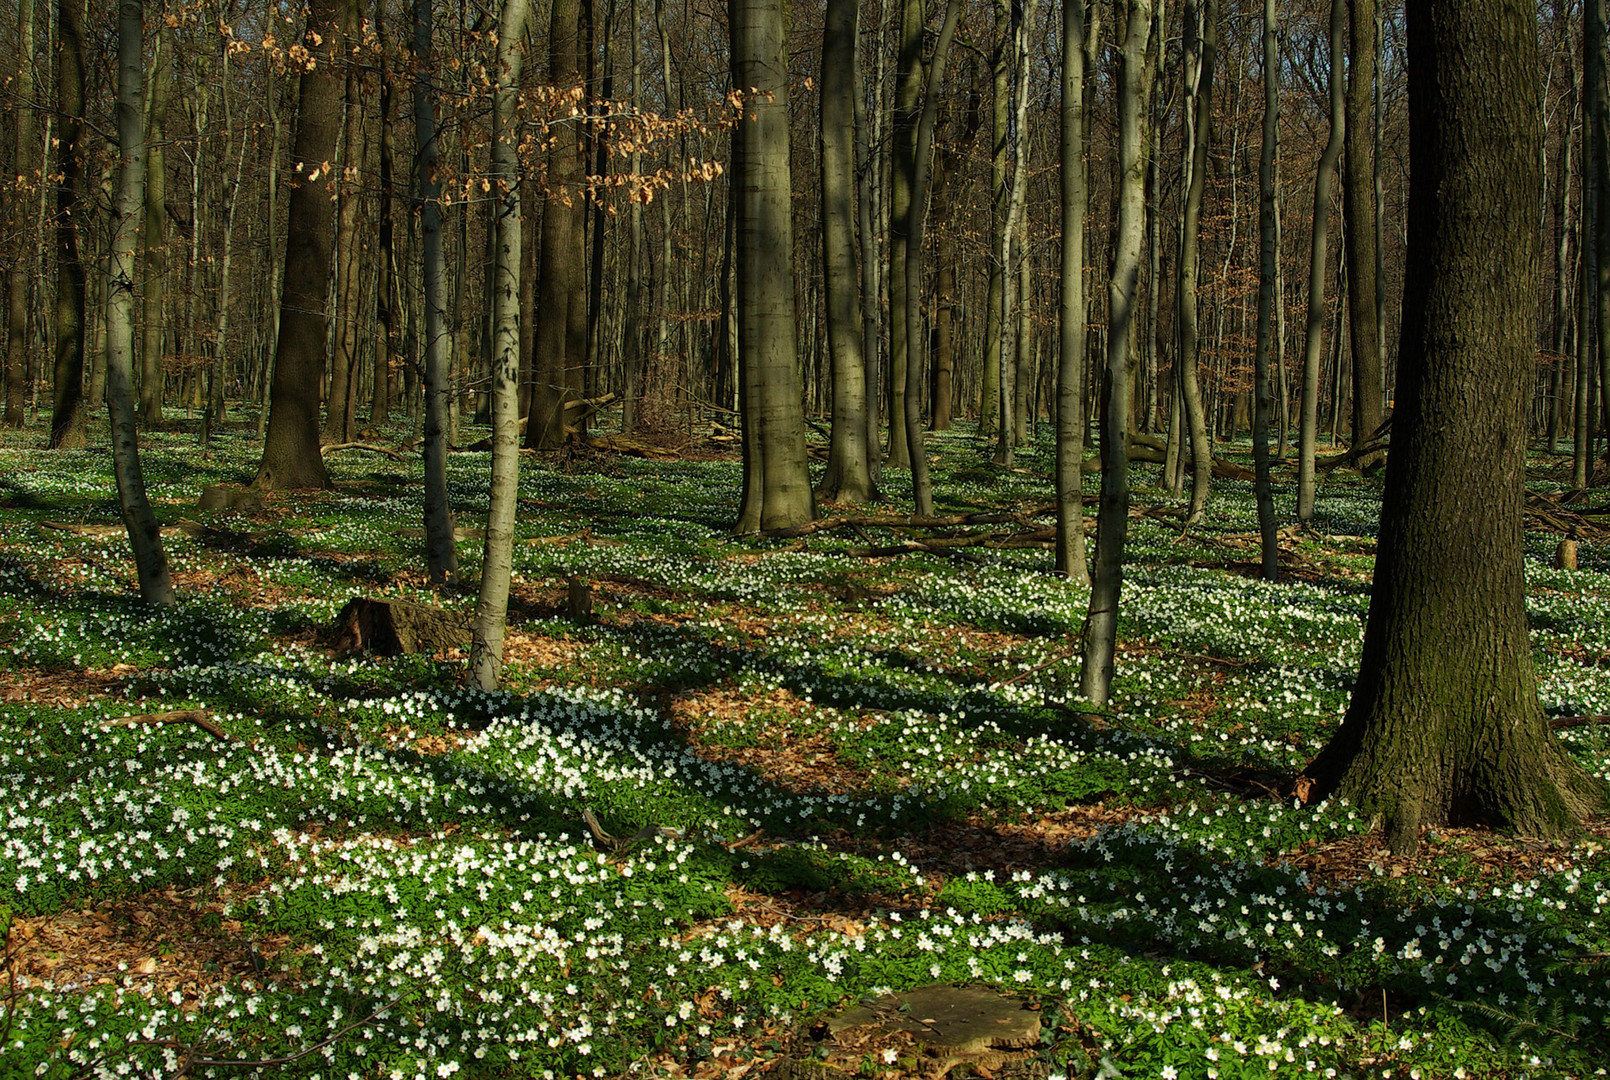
(1444, 725)
(848, 478)
(492, 602)
(154, 257)
(776, 480)
(291, 458)
(1201, 47)
(145, 537)
(922, 156)
(67, 397)
(561, 282)
(1269, 258)
(907, 106)
(440, 551)
(340, 422)
(1314, 339)
(26, 158)
(1369, 405)
(1077, 29)
(1112, 518)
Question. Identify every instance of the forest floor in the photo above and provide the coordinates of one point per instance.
(763, 781)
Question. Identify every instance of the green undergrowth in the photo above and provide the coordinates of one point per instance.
(766, 779)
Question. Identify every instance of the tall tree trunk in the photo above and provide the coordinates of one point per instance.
(440, 551)
(1444, 725)
(871, 264)
(1314, 339)
(154, 259)
(150, 564)
(561, 283)
(291, 458)
(67, 397)
(492, 602)
(386, 292)
(1269, 239)
(1112, 519)
(908, 89)
(339, 422)
(1080, 26)
(1369, 406)
(848, 478)
(922, 155)
(632, 316)
(1599, 113)
(989, 411)
(1201, 49)
(218, 367)
(26, 159)
(776, 481)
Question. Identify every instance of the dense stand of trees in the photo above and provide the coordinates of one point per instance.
(613, 200)
(655, 155)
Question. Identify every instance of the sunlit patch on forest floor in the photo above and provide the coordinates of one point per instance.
(762, 781)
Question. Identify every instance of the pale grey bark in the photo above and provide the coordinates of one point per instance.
(848, 477)
(150, 563)
(776, 483)
(154, 259)
(1112, 519)
(1078, 29)
(921, 487)
(1201, 48)
(440, 552)
(492, 602)
(1308, 432)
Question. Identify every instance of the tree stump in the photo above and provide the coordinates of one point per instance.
(230, 497)
(396, 627)
(579, 598)
(1565, 555)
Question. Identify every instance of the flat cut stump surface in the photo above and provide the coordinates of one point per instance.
(937, 1028)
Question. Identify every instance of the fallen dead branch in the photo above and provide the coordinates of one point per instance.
(201, 718)
(1585, 720)
(395, 455)
(907, 521)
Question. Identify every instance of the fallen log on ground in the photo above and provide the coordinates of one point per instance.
(201, 718)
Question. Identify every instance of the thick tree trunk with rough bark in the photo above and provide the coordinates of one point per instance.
(1369, 404)
(67, 399)
(848, 478)
(145, 537)
(1444, 726)
(440, 551)
(291, 458)
(776, 480)
(492, 602)
(1308, 431)
(1112, 519)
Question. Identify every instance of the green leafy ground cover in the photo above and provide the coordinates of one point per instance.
(854, 775)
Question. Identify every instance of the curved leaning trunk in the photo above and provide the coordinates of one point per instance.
(150, 562)
(492, 602)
